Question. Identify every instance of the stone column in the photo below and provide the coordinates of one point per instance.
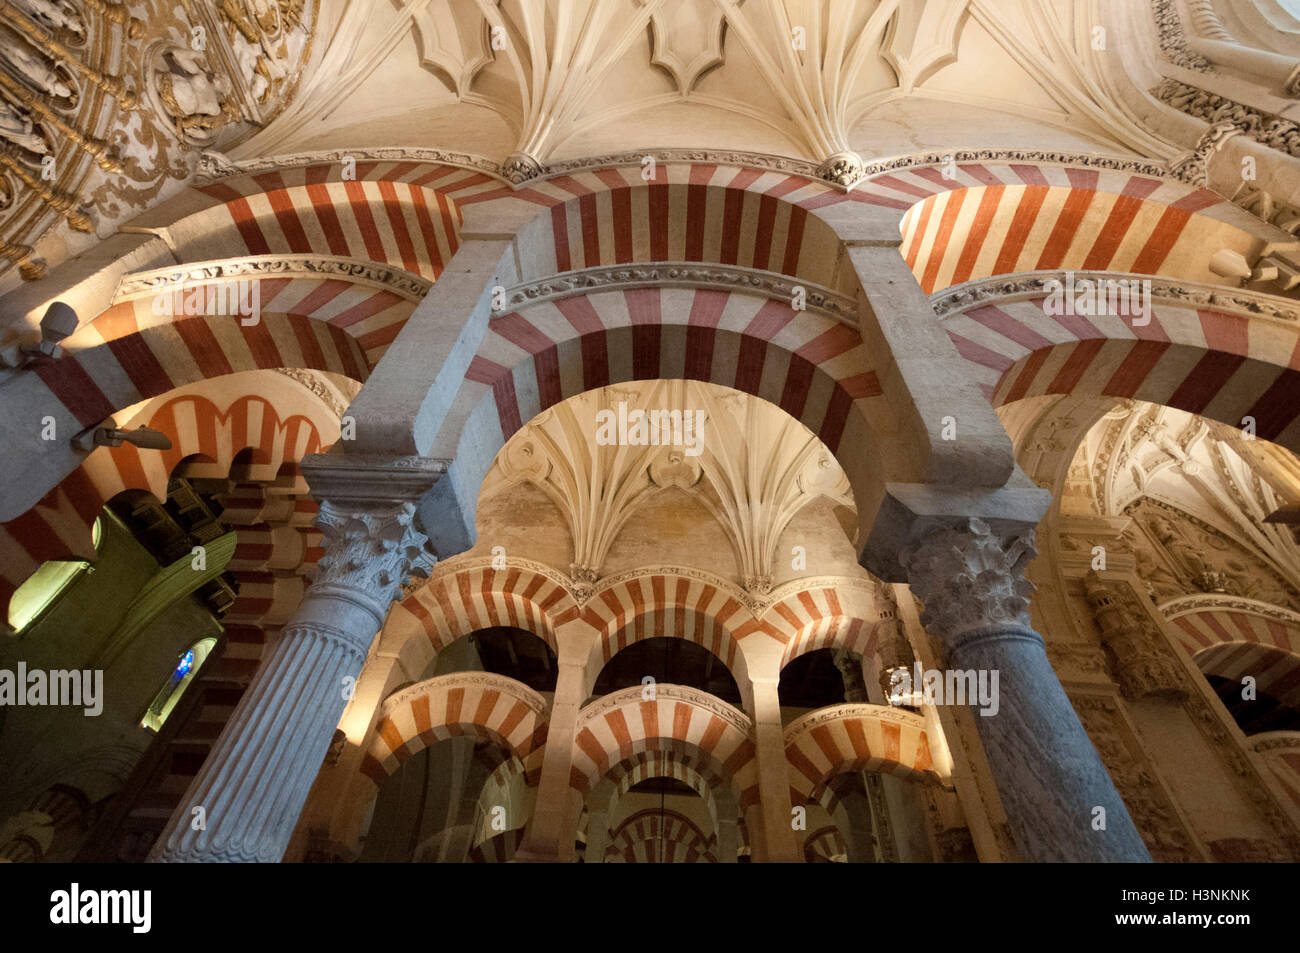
(245, 801)
(558, 806)
(1051, 779)
(597, 837)
(775, 842)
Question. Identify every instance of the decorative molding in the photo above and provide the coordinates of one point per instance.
(375, 274)
(830, 304)
(312, 381)
(214, 165)
(1268, 130)
(364, 478)
(509, 687)
(899, 716)
(1214, 602)
(1037, 156)
(1172, 40)
(725, 157)
(1028, 285)
(1193, 168)
(632, 696)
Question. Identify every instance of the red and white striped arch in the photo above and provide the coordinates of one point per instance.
(1276, 672)
(480, 704)
(127, 355)
(655, 836)
(680, 720)
(654, 604)
(697, 212)
(400, 223)
(844, 615)
(969, 233)
(1225, 366)
(815, 369)
(462, 596)
(1206, 628)
(59, 526)
(855, 737)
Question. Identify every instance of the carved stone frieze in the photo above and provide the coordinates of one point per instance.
(510, 687)
(1186, 293)
(633, 696)
(375, 274)
(1271, 131)
(1037, 156)
(824, 301)
(1172, 40)
(1194, 167)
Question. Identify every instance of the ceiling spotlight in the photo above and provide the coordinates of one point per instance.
(59, 322)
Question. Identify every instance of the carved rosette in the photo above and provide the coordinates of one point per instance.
(969, 578)
(1143, 666)
(371, 549)
(519, 168)
(843, 168)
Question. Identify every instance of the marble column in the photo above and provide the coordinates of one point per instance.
(1049, 775)
(245, 801)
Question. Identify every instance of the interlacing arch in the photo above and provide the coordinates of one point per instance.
(465, 594)
(480, 704)
(856, 737)
(654, 836)
(59, 526)
(704, 732)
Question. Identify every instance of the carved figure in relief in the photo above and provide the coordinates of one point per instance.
(32, 66)
(16, 127)
(54, 14)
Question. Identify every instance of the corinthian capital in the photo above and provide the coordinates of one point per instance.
(371, 549)
(968, 576)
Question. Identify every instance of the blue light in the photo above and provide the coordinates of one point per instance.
(185, 664)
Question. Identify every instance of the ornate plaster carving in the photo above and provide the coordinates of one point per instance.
(1173, 42)
(1271, 131)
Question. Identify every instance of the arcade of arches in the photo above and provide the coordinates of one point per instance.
(570, 427)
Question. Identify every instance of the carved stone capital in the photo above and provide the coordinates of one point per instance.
(370, 551)
(969, 578)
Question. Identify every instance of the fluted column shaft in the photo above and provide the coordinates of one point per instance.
(1048, 773)
(245, 802)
